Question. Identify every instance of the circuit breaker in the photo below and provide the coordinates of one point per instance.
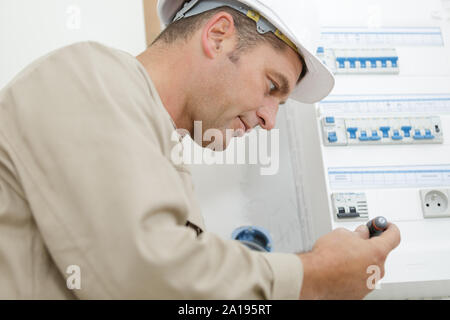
(350, 206)
(381, 131)
(362, 61)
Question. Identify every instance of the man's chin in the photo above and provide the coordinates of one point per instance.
(220, 142)
(217, 146)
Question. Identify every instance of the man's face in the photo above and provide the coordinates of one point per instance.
(243, 94)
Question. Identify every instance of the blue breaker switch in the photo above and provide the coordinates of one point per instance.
(385, 131)
(352, 62)
(375, 136)
(428, 135)
(396, 135)
(352, 132)
(332, 137)
(406, 130)
(363, 136)
(363, 64)
(341, 62)
(418, 135)
(329, 120)
(394, 62)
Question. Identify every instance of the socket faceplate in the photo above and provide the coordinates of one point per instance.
(435, 203)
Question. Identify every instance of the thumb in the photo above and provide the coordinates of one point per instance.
(389, 239)
(363, 232)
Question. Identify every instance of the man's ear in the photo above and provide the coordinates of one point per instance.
(218, 34)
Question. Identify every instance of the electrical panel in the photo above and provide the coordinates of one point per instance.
(379, 144)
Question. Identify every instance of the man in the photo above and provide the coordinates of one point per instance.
(89, 191)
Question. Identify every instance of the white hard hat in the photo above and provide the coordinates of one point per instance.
(290, 20)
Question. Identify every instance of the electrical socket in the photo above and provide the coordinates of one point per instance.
(435, 203)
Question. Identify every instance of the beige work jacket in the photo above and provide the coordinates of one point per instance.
(91, 204)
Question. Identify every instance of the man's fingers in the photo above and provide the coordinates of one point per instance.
(389, 239)
(363, 232)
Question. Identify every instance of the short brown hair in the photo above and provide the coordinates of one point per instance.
(247, 35)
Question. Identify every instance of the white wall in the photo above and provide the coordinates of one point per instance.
(30, 29)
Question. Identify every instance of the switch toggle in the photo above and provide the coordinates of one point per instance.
(332, 137)
(329, 120)
(341, 62)
(428, 135)
(352, 213)
(352, 132)
(418, 135)
(375, 136)
(385, 131)
(363, 136)
(396, 135)
(406, 130)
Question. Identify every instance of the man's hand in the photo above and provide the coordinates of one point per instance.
(336, 268)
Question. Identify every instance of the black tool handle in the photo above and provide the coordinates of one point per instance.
(377, 226)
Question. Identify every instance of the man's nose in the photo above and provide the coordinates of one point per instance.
(267, 115)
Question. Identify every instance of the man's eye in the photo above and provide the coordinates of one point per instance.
(272, 87)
